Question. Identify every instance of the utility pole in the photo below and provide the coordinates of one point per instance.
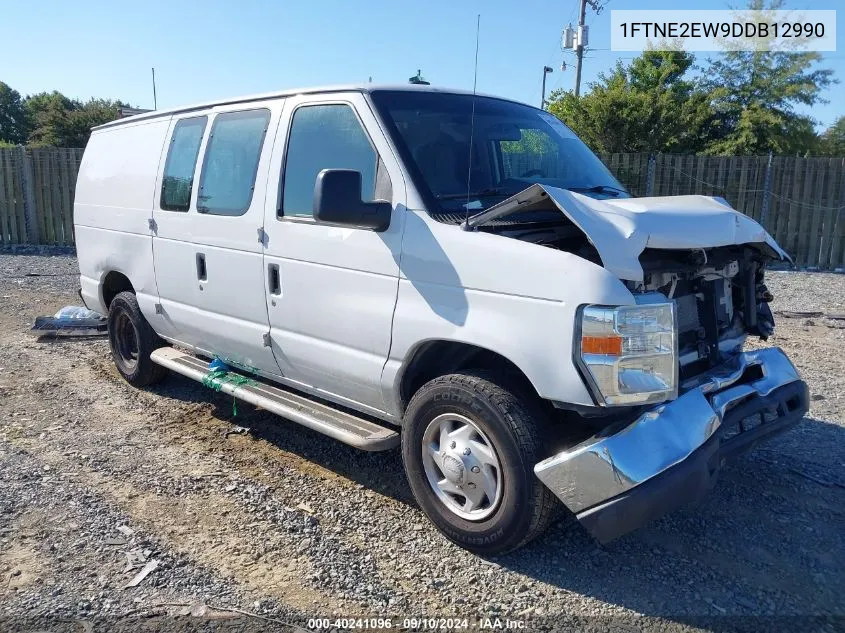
(579, 49)
(577, 39)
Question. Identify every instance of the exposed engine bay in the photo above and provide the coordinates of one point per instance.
(720, 297)
(560, 234)
(711, 288)
(660, 245)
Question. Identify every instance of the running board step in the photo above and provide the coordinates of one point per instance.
(346, 427)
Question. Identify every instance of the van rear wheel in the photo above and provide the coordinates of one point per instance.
(469, 446)
(132, 340)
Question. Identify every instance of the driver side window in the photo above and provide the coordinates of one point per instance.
(325, 137)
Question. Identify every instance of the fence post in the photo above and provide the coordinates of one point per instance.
(649, 184)
(29, 210)
(767, 192)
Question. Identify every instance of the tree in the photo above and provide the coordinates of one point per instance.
(12, 118)
(756, 94)
(87, 115)
(47, 118)
(648, 106)
(55, 120)
(50, 118)
(677, 113)
(833, 139)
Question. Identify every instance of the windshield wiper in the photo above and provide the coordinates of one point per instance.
(484, 193)
(608, 189)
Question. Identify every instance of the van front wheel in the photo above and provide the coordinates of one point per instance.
(469, 446)
(132, 341)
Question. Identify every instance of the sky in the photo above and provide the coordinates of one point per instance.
(209, 49)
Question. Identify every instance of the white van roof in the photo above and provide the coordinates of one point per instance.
(287, 93)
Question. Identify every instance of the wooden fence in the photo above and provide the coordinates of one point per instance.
(800, 201)
(36, 195)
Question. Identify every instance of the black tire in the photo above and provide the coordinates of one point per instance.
(512, 422)
(132, 341)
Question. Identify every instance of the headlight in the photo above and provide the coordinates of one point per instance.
(629, 354)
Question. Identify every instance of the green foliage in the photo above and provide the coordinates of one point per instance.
(756, 100)
(648, 106)
(87, 115)
(51, 119)
(745, 103)
(833, 139)
(56, 120)
(47, 118)
(531, 142)
(12, 118)
(756, 94)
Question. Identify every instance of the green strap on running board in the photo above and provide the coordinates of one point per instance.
(216, 378)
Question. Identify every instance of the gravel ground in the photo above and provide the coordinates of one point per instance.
(100, 480)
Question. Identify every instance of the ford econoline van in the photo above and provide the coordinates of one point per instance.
(455, 273)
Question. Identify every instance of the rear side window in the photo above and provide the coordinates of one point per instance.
(324, 137)
(180, 164)
(231, 162)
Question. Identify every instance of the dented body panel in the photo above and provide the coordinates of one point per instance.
(621, 229)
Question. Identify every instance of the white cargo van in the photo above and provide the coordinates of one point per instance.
(459, 273)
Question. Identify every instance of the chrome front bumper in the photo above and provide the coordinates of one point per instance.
(617, 480)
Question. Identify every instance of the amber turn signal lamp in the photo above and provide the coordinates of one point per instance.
(611, 345)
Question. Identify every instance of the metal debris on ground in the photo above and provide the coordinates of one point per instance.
(71, 321)
(201, 610)
(305, 508)
(125, 530)
(149, 568)
(134, 558)
(809, 314)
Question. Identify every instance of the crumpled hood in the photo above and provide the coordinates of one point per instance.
(621, 229)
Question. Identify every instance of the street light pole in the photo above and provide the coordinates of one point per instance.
(546, 71)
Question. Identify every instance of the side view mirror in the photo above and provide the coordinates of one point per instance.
(337, 201)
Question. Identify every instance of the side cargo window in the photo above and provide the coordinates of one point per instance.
(178, 180)
(231, 162)
(328, 137)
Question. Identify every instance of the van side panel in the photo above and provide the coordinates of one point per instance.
(113, 207)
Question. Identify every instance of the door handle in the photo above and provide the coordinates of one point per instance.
(202, 272)
(274, 280)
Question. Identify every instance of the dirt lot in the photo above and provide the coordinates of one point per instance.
(98, 480)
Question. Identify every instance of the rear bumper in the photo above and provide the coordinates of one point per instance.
(671, 455)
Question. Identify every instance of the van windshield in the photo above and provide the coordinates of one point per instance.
(512, 146)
